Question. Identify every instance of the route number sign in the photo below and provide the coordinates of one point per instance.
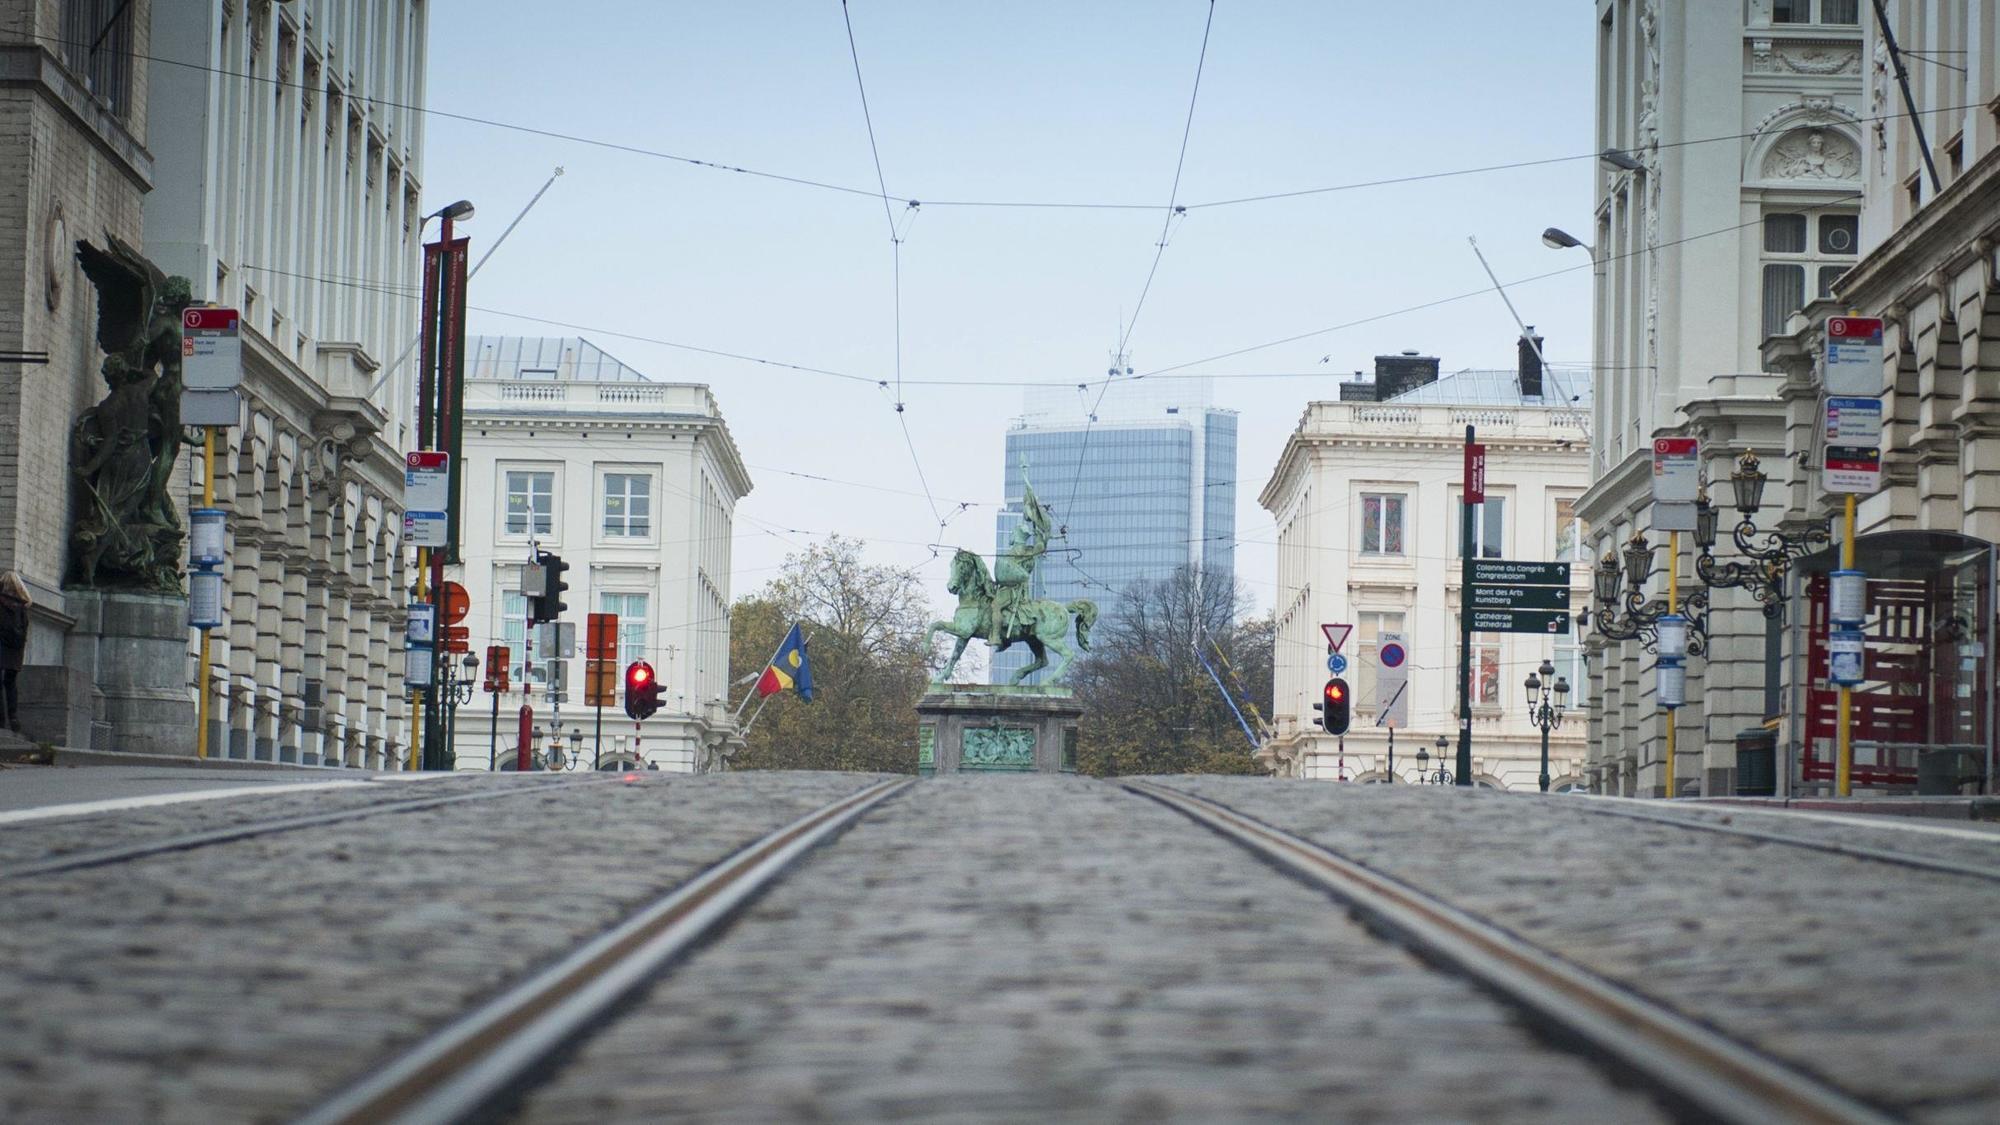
(426, 496)
(211, 350)
(1853, 355)
(1676, 470)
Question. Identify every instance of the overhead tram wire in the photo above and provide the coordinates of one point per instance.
(896, 270)
(1160, 249)
(846, 189)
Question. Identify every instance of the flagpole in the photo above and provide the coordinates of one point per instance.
(752, 693)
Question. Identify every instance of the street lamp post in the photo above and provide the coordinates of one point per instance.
(457, 690)
(1424, 774)
(1772, 552)
(1542, 684)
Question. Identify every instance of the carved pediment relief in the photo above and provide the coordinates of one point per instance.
(1808, 57)
(1812, 154)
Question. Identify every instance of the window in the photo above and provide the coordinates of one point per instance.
(97, 45)
(1368, 630)
(1840, 11)
(514, 634)
(1569, 665)
(1485, 670)
(1569, 533)
(1791, 11)
(628, 505)
(1798, 249)
(1488, 527)
(1845, 12)
(1382, 523)
(531, 502)
(632, 632)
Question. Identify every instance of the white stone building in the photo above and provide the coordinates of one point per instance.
(287, 186)
(1366, 499)
(1729, 198)
(634, 483)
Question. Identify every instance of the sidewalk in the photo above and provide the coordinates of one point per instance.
(1938, 808)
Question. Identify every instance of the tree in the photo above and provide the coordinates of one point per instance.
(1149, 704)
(864, 628)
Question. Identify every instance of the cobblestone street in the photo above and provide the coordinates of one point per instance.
(1007, 948)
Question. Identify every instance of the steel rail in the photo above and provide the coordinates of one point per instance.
(192, 840)
(1702, 1072)
(471, 1066)
(1600, 807)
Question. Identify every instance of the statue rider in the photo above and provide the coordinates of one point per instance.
(1013, 569)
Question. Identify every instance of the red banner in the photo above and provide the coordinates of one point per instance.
(1475, 473)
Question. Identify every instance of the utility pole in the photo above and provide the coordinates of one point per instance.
(1473, 492)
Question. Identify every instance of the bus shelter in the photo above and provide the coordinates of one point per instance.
(1924, 717)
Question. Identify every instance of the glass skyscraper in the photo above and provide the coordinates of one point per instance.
(1145, 488)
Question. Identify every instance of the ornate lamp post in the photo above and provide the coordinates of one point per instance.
(1547, 716)
(1771, 552)
(456, 689)
(1634, 616)
(1424, 775)
(559, 760)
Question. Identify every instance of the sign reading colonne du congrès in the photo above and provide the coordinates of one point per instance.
(1505, 596)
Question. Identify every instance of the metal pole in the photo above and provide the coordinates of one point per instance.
(202, 685)
(597, 757)
(1673, 606)
(1543, 722)
(493, 744)
(1392, 755)
(1909, 102)
(1843, 783)
(1465, 633)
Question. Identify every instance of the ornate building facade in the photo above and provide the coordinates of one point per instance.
(1366, 500)
(74, 164)
(287, 186)
(632, 482)
(1729, 198)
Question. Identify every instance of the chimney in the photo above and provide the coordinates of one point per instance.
(1396, 374)
(1530, 363)
(1357, 389)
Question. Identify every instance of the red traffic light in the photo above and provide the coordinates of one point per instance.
(1335, 713)
(642, 690)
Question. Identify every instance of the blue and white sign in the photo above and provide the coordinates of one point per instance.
(1336, 663)
(1846, 657)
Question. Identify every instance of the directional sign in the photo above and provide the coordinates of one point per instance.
(1520, 597)
(1506, 572)
(1520, 621)
(1853, 355)
(1392, 681)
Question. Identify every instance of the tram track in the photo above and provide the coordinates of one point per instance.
(1702, 1072)
(1706, 823)
(190, 841)
(471, 1066)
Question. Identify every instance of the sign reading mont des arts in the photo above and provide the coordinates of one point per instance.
(1508, 596)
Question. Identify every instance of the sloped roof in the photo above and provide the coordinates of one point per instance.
(550, 358)
(1567, 387)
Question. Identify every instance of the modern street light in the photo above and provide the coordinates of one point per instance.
(1621, 160)
(1555, 238)
(1545, 715)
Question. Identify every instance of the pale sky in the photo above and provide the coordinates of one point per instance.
(1048, 102)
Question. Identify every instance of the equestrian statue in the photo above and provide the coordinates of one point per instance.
(997, 608)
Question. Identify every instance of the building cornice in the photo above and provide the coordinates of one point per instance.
(32, 65)
(1956, 228)
(1620, 493)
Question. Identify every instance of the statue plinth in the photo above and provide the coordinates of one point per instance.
(994, 728)
(134, 649)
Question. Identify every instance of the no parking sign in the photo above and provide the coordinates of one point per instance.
(1392, 681)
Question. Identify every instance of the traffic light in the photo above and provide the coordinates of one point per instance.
(642, 690)
(549, 605)
(1335, 706)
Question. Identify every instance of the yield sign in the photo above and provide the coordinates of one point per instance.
(1336, 635)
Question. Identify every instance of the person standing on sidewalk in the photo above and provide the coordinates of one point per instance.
(14, 602)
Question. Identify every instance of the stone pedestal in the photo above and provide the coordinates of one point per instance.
(980, 728)
(134, 649)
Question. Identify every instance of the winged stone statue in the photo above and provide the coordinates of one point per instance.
(127, 533)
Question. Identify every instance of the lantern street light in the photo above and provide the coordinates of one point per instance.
(1769, 554)
(1634, 616)
(1424, 774)
(1546, 716)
